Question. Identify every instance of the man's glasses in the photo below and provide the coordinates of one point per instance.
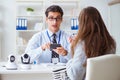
(56, 19)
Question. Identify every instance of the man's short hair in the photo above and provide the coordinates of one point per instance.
(54, 8)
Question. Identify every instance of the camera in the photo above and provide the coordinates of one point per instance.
(11, 65)
(25, 59)
(11, 58)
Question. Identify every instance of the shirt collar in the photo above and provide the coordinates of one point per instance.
(51, 33)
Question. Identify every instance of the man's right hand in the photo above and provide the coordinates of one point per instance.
(45, 46)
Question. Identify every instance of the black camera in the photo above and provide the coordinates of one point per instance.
(25, 59)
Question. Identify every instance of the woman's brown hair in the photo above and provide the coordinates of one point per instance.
(93, 32)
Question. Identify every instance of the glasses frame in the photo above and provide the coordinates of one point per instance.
(56, 19)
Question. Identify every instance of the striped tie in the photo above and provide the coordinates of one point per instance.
(54, 54)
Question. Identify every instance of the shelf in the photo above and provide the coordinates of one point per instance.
(27, 30)
(65, 0)
(43, 0)
(67, 5)
(29, 0)
(70, 16)
(24, 46)
(71, 31)
(29, 3)
(29, 16)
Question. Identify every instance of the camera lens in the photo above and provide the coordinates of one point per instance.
(12, 58)
(25, 55)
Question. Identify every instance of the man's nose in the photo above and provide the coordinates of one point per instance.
(55, 21)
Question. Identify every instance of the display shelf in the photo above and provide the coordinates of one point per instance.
(71, 31)
(37, 6)
(51, 0)
(29, 0)
(28, 30)
(24, 46)
(65, 0)
(38, 16)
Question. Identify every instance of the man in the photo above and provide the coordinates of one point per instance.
(39, 45)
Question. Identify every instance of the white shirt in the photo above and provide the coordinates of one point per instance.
(75, 69)
(36, 53)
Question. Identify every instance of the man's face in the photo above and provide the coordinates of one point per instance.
(54, 20)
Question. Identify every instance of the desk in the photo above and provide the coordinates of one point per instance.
(37, 72)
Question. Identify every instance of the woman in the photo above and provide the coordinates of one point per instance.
(92, 40)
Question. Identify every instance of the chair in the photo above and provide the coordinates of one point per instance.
(105, 67)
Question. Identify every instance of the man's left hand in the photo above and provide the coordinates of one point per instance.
(61, 51)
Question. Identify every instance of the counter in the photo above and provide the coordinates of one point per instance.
(37, 72)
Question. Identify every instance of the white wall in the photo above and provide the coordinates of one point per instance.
(110, 15)
(1, 24)
(115, 24)
(0, 44)
(7, 26)
(101, 5)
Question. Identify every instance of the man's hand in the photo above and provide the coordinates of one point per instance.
(72, 38)
(45, 46)
(61, 51)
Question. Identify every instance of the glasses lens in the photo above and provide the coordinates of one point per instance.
(52, 19)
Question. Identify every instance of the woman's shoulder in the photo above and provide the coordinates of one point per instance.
(80, 44)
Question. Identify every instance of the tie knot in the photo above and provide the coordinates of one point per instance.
(54, 35)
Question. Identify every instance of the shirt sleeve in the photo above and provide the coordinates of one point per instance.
(74, 67)
(33, 48)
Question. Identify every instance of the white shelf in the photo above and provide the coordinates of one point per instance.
(38, 16)
(70, 30)
(23, 46)
(27, 30)
(29, 3)
(65, 0)
(29, 0)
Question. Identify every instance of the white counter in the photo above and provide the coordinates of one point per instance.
(37, 72)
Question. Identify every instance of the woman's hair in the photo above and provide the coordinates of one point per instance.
(93, 32)
(54, 8)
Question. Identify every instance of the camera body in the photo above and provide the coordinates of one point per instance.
(25, 60)
(11, 65)
(11, 58)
